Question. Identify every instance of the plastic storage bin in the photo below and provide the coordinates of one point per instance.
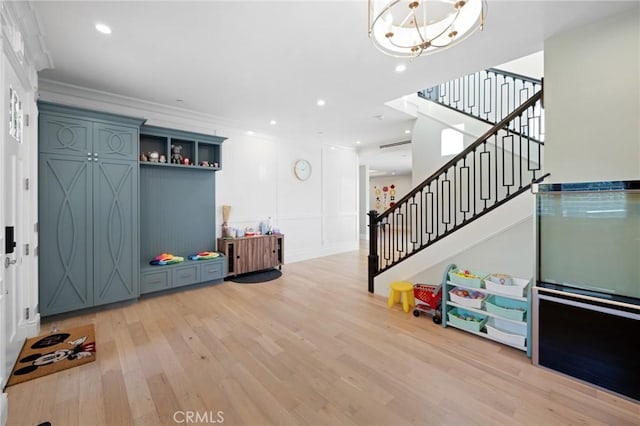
(474, 324)
(472, 279)
(507, 308)
(469, 298)
(506, 331)
(517, 289)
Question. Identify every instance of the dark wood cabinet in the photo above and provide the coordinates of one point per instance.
(249, 254)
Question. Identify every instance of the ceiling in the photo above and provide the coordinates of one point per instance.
(251, 62)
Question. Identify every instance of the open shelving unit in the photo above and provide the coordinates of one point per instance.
(448, 305)
(198, 148)
(177, 210)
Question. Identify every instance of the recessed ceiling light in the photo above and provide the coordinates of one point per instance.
(358, 142)
(333, 147)
(393, 173)
(406, 132)
(249, 132)
(401, 68)
(273, 122)
(320, 102)
(104, 29)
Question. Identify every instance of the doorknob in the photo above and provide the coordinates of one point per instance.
(8, 262)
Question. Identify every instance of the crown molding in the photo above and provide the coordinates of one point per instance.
(156, 114)
(21, 15)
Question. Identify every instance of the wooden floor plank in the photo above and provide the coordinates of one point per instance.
(310, 348)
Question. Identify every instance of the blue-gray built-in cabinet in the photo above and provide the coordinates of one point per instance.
(177, 207)
(88, 208)
(103, 212)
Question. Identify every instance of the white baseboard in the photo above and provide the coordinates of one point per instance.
(30, 328)
(300, 255)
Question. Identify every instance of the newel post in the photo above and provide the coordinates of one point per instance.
(373, 246)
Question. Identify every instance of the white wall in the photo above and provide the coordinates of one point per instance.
(592, 101)
(402, 186)
(318, 216)
(363, 185)
(528, 66)
(425, 143)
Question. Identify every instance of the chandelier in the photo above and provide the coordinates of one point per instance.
(410, 28)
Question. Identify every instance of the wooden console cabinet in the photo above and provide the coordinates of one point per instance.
(249, 254)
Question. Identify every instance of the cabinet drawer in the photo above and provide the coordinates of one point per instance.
(212, 271)
(185, 275)
(154, 281)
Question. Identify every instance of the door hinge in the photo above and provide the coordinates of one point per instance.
(26, 184)
(27, 313)
(36, 227)
(26, 249)
(36, 251)
(26, 120)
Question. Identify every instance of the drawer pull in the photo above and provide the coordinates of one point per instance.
(185, 276)
(158, 281)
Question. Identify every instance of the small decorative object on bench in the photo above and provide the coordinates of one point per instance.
(166, 259)
(204, 255)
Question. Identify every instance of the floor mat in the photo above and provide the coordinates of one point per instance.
(257, 277)
(54, 352)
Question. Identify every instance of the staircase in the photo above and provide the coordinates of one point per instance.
(488, 95)
(500, 165)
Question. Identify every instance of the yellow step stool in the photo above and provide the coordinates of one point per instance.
(398, 289)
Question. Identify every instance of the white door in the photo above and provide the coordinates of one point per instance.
(14, 198)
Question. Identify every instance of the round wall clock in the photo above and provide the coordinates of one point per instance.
(302, 169)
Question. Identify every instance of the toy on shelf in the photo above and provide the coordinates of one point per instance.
(204, 255)
(166, 259)
(176, 154)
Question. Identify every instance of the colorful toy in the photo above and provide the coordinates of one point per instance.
(204, 255)
(166, 259)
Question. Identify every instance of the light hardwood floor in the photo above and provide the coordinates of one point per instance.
(311, 348)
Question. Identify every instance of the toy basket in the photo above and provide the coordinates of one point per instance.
(428, 294)
(470, 298)
(466, 320)
(505, 307)
(472, 279)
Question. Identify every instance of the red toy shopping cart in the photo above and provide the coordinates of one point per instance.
(428, 299)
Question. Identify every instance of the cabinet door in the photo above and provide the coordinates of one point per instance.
(269, 252)
(242, 253)
(115, 212)
(65, 223)
(66, 136)
(115, 142)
